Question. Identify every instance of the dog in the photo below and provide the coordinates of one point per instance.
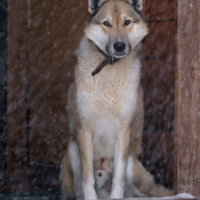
(105, 108)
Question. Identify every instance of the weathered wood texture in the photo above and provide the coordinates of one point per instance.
(159, 66)
(16, 107)
(159, 10)
(56, 27)
(188, 97)
(158, 156)
(160, 42)
(159, 80)
(159, 85)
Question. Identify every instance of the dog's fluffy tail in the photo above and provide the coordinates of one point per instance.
(143, 181)
(160, 191)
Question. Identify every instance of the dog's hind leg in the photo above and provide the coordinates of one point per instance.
(70, 173)
(66, 178)
(75, 162)
(131, 191)
(140, 182)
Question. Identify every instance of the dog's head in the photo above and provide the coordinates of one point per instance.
(116, 26)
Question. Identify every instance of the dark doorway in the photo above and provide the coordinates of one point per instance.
(3, 85)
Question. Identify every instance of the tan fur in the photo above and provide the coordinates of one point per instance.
(143, 181)
(66, 177)
(106, 111)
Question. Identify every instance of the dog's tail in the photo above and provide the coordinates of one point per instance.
(160, 191)
(144, 182)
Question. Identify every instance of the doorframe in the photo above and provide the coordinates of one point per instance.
(187, 98)
(187, 89)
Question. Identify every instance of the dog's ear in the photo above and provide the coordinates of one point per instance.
(94, 5)
(136, 4)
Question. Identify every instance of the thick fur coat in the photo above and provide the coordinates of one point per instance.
(106, 111)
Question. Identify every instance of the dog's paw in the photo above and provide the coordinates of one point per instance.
(90, 194)
(117, 193)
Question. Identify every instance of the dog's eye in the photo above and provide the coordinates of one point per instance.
(127, 22)
(106, 24)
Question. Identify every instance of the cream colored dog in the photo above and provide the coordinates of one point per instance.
(105, 108)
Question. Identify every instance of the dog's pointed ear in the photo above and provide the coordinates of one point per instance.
(94, 5)
(136, 4)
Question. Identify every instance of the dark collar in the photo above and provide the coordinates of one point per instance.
(103, 53)
(109, 60)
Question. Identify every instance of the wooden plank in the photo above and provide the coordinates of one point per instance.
(159, 86)
(157, 157)
(159, 112)
(159, 76)
(55, 30)
(16, 107)
(159, 10)
(162, 142)
(160, 42)
(187, 98)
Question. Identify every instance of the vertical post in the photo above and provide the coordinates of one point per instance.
(16, 81)
(187, 159)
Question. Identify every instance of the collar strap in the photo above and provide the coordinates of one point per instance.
(108, 61)
(103, 53)
(103, 64)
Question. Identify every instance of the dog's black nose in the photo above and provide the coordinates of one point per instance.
(119, 46)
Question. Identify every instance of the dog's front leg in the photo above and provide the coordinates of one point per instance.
(86, 152)
(121, 154)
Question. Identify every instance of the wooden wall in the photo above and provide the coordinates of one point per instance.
(42, 56)
(50, 64)
(159, 89)
(187, 162)
(54, 33)
(16, 86)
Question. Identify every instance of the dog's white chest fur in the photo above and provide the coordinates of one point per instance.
(106, 100)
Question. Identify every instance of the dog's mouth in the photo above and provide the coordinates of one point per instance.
(119, 55)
